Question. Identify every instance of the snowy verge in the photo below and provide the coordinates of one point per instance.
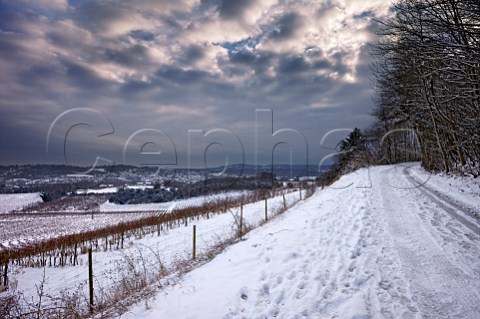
(463, 190)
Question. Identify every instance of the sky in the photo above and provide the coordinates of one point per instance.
(196, 83)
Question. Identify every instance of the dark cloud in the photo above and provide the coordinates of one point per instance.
(285, 27)
(142, 35)
(230, 9)
(60, 38)
(259, 61)
(179, 76)
(192, 54)
(82, 77)
(133, 56)
(9, 46)
(296, 64)
(97, 15)
(41, 78)
(243, 57)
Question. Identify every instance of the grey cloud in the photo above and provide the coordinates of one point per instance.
(134, 87)
(135, 55)
(192, 54)
(60, 38)
(96, 15)
(177, 75)
(142, 35)
(83, 77)
(242, 57)
(259, 61)
(230, 9)
(9, 48)
(295, 64)
(285, 27)
(42, 79)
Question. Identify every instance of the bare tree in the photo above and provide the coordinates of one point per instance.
(427, 80)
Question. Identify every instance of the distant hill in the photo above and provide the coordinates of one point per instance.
(45, 171)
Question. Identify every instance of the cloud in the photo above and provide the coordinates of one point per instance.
(233, 9)
(176, 65)
(286, 27)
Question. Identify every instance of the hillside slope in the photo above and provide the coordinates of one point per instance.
(374, 245)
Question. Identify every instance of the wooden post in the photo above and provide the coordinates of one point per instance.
(266, 210)
(241, 220)
(194, 242)
(75, 255)
(90, 277)
(300, 191)
(284, 202)
(5, 275)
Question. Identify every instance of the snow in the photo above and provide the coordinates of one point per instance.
(379, 248)
(112, 190)
(12, 202)
(141, 187)
(168, 206)
(170, 246)
(373, 245)
(28, 228)
(466, 190)
(105, 190)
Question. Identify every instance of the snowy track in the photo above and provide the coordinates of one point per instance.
(423, 229)
(380, 248)
(468, 216)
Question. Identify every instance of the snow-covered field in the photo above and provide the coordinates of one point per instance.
(23, 229)
(379, 248)
(12, 202)
(171, 246)
(111, 190)
(168, 206)
(105, 190)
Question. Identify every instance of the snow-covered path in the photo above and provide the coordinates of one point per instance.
(431, 238)
(373, 245)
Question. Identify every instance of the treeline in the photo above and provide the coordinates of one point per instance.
(427, 83)
(427, 91)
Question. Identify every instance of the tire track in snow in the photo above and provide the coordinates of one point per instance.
(440, 288)
(447, 205)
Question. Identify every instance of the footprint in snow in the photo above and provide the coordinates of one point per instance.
(292, 275)
(244, 293)
(263, 276)
(279, 280)
(281, 296)
(265, 290)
